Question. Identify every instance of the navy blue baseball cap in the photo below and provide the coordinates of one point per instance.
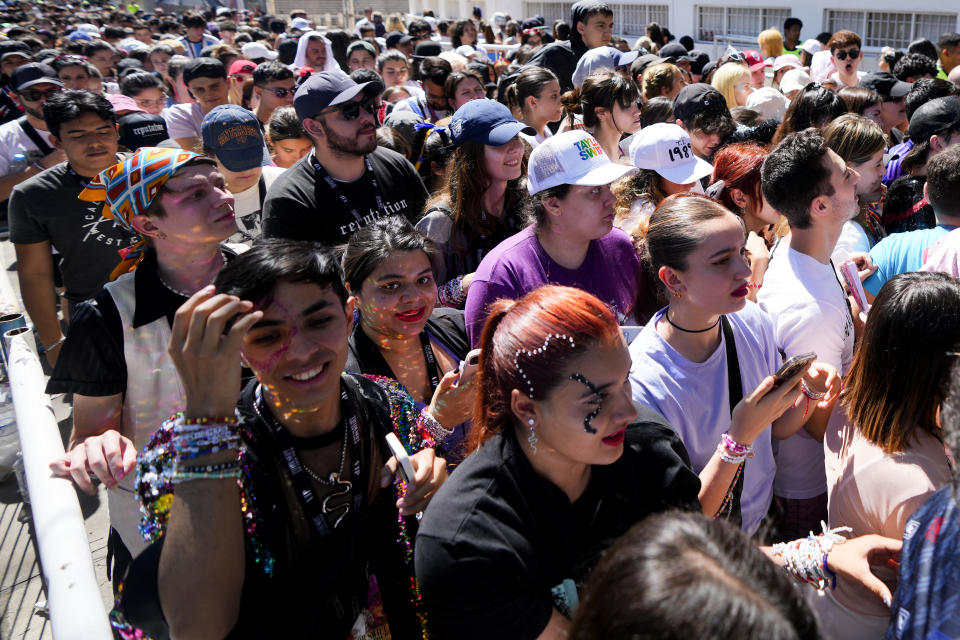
(486, 121)
(326, 89)
(233, 133)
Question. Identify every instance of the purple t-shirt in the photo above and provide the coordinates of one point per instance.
(519, 265)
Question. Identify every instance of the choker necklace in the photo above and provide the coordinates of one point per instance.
(172, 290)
(666, 314)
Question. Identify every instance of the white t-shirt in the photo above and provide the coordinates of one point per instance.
(852, 239)
(535, 140)
(694, 397)
(810, 313)
(246, 207)
(183, 120)
(835, 76)
(13, 140)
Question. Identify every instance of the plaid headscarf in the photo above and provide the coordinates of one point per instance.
(130, 187)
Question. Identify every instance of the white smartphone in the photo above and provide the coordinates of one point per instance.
(404, 466)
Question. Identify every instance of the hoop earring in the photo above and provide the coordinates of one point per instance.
(532, 439)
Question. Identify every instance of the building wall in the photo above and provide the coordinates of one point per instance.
(879, 22)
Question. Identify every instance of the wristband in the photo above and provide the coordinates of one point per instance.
(42, 349)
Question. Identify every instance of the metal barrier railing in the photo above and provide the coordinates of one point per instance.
(73, 597)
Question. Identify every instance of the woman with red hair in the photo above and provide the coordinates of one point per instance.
(555, 476)
(736, 184)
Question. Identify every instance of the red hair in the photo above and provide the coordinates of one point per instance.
(524, 325)
(739, 165)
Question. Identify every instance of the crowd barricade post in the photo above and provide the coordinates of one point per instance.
(73, 596)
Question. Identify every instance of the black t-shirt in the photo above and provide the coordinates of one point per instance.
(45, 208)
(318, 584)
(301, 206)
(92, 361)
(500, 547)
(560, 58)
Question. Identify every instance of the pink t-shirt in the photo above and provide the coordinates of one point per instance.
(944, 256)
(872, 491)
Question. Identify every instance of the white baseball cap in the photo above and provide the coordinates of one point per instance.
(812, 46)
(571, 157)
(666, 149)
(255, 50)
(787, 61)
(793, 80)
(300, 24)
(768, 102)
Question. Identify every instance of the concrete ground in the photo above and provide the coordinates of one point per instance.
(22, 600)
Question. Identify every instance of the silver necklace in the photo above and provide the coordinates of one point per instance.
(171, 289)
(333, 479)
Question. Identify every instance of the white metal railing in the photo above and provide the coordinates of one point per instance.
(73, 597)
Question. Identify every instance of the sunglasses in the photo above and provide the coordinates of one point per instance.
(351, 110)
(853, 53)
(33, 96)
(281, 92)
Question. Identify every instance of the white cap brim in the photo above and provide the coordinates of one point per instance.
(604, 175)
(687, 172)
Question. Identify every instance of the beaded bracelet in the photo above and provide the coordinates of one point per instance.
(451, 294)
(810, 393)
(217, 420)
(726, 456)
(735, 448)
(806, 558)
(211, 468)
(754, 285)
(426, 421)
(186, 476)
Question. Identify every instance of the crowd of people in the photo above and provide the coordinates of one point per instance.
(667, 342)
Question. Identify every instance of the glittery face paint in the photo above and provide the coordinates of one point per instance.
(299, 347)
(398, 297)
(600, 395)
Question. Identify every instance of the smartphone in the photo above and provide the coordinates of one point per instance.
(851, 276)
(792, 367)
(404, 466)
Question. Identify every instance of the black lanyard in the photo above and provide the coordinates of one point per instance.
(322, 173)
(372, 361)
(311, 505)
(735, 389)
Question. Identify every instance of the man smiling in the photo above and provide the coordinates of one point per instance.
(347, 181)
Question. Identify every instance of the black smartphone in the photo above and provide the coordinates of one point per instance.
(792, 367)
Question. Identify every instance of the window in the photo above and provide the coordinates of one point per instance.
(632, 19)
(891, 28)
(738, 21)
(551, 11)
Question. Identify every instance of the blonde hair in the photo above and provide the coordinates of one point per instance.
(177, 46)
(854, 138)
(395, 23)
(726, 77)
(771, 43)
(457, 61)
(658, 77)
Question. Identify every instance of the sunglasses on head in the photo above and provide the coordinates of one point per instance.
(33, 96)
(853, 53)
(351, 110)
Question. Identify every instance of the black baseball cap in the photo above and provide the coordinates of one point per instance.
(326, 89)
(938, 115)
(426, 50)
(203, 68)
(142, 130)
(393, 38)
(698, 61)
(673, 50)
(697, 97)
(14, 48)
(646, 60)
(886, 84)
(27, 75)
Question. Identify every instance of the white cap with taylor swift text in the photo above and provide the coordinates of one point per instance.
(571, 157)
